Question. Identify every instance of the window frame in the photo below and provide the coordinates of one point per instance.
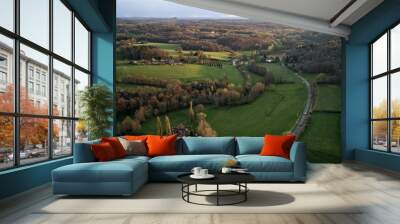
(388, 74)
(16, 114)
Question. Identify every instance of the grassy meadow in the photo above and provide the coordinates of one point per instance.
(275, 111)
(322, 138)
(184, 72)
(173, 49)
(322, 135)
(329, 98)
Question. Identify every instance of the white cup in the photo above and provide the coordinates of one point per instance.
(226, 170)
(203, 172)
(196, 171)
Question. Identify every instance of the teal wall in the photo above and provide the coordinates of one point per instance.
(24, 178)
(99, 15)
(103, 64)
(356, 126)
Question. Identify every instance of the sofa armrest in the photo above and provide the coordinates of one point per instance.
(83, 152)
(299, 158)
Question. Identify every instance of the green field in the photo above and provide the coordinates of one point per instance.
(281, 73)
(164, 46)
(185, 72)
(322, 135)
(172, 49)
(254, 77)
(247, 53)
(274, 112)
(329, 98)
(322, 138)
(218, 55)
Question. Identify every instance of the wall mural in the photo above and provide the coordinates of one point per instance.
(229, 77)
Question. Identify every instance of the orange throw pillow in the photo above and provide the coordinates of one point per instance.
(103, 152)
(135, 137)
(161, 145)
(277, 145)
(116, 145)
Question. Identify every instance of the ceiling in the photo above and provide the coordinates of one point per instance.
(326, 16)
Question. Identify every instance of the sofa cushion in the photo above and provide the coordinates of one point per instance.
(249, 145)
(83, 152)
(161, 145)
(103, 152)
(208, 145)
(135, 137)
(134, 147)
(277, 145)
(116, 145)
(112, 171)
(257, 163)
(185, 163)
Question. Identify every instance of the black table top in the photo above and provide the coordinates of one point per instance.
(220, 178)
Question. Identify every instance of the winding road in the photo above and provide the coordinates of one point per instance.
(302, 120)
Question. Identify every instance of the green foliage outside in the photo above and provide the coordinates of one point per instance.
(96, 103)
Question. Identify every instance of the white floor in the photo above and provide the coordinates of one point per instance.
(377, 190)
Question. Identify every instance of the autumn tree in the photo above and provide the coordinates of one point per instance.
(136, 126)
(140, 114)
(129, 125)
(204, 128)
(191, 115)
(168, 126)
(159, 126)
(81, 129)
(33, 131)
(379, 128)
(126, 124)
(199, 108)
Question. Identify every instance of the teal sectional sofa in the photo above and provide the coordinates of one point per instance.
(125, 176)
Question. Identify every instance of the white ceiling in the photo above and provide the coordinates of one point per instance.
(314, 15)
(321, 9)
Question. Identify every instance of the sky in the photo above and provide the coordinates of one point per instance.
(35, 27)
(163, 9)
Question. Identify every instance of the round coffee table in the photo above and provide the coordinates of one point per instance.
(238, 179)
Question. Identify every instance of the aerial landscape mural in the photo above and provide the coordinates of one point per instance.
(229, 76)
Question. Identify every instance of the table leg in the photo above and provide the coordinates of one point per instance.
(195, 188)
(245, 193)
(217, 194)
(182, 189)
(188, 190)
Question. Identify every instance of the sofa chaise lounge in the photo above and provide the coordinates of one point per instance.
(125, 176)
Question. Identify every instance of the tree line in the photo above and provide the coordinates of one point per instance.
(176, 95)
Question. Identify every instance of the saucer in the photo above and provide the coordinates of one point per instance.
(208, 176)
